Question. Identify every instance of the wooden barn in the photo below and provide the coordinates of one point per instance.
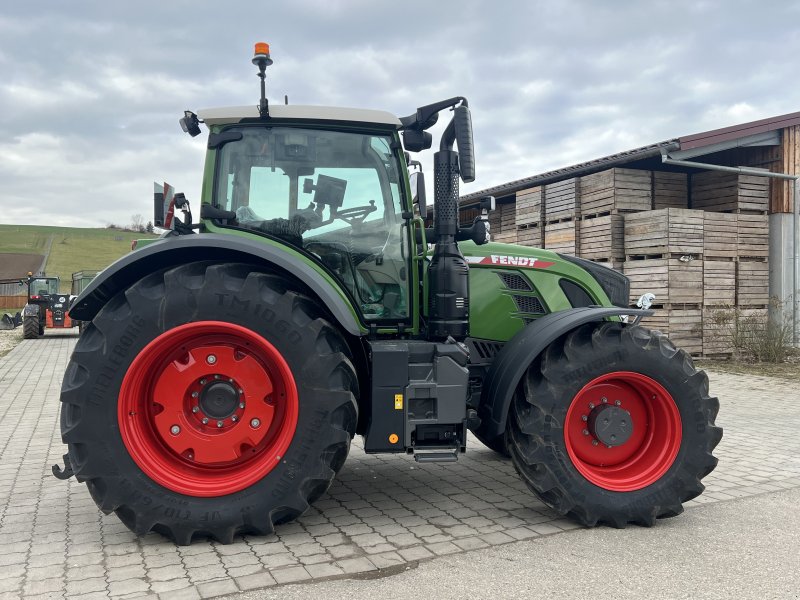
(704, 221)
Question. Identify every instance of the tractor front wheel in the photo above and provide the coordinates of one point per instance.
(613, 424)
(208, 400)
(30, 327)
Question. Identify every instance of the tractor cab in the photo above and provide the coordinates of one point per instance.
(40, 289)
(333, 194)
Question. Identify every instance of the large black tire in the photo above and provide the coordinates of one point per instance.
(30, 327)
(236, 296)
(498, 444)
(543, 441)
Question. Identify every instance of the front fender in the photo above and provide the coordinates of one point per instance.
(177, 250)
(30, 310)
(513, 360)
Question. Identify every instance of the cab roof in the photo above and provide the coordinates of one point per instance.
(234, 114)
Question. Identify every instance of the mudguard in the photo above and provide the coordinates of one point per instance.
(517, 354)
(209, 246)
(30, 310)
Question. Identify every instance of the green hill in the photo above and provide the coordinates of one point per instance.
(71, 249)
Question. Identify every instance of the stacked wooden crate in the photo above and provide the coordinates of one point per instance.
(529, 217)
(670, 190)
(502, 225)
(562, 209)
(664, 251)
(737, 231)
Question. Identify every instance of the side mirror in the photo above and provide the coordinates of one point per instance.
(417, 180)
(466, 150)
(415, 140)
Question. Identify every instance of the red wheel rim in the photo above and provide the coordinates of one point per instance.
(208, 408)
(653, 443)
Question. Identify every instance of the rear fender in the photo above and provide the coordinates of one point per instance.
(516, 356)
(177, 250)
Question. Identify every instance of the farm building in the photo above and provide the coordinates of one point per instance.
(691, 219)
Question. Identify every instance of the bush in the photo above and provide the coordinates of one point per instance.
(751, 335)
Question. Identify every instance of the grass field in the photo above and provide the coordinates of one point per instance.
(72, 249)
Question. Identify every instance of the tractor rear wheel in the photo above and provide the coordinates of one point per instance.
(30, 327)
(613, 424)
(208, 400)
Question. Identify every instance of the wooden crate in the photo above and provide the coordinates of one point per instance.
(529, 206)
(665, 231)
(753, 236)
(616, 265)
(615, 190)
(505, 237)
(602, 238)
(561, 200)
(718, 330)
(530, 236)
(720, 234)
(721, 191)
(719, 282)
(670, 190)
(752, 283)
(672, 280)
(562, 237)
(682, 325)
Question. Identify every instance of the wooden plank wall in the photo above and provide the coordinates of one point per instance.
(790, 163)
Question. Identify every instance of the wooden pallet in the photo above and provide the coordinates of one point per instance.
(530, 235)
(719, 282)
(561, 200)
(602, 238)
(753, 236)
(664, 231)
(720, 234)
(683, 325)
(721, 191)
(670, 190)
(615, 190)
(563, 237)
(752, 283)
(670, 279)
(529, 206)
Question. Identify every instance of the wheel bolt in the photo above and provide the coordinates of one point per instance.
(584, 418)
(216, 376)
(594, 442)
(255, 423)
(211, 359)
(617, 403)
(609, 447)
(174, 430)
(202, 382)
(604, 400)
(241, 391)
(195, 409)
(230, 380)
(205, 420)
(241, 404)
(234, 418)
(585, 432)
(195, 394)
(591, 405)
(220, 423)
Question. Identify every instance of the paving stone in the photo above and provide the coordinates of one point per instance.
(255, 581)
(355, 565)
(127, 586)
(217, 588)
(290, 575)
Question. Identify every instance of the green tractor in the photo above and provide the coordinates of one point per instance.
(225, 368)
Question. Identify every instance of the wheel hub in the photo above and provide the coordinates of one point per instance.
(219, 400)
(610, 425)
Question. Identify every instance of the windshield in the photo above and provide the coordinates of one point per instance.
(334, 194)
(42, 287)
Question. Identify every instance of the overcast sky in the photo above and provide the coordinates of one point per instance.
(91, 91)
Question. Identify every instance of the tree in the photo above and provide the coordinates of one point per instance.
(149, 227)
(137, 222)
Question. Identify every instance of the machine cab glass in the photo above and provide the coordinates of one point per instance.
(333, 194)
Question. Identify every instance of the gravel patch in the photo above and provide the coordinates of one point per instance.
(9, 339)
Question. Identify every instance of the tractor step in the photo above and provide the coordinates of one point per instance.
(431, 457)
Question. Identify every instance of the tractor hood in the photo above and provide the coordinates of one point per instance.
(508, 255)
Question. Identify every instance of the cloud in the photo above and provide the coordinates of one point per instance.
(92, 90)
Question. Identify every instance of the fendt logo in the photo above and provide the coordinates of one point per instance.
(516, 261)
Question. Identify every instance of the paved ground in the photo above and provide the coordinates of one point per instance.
(382, 514)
